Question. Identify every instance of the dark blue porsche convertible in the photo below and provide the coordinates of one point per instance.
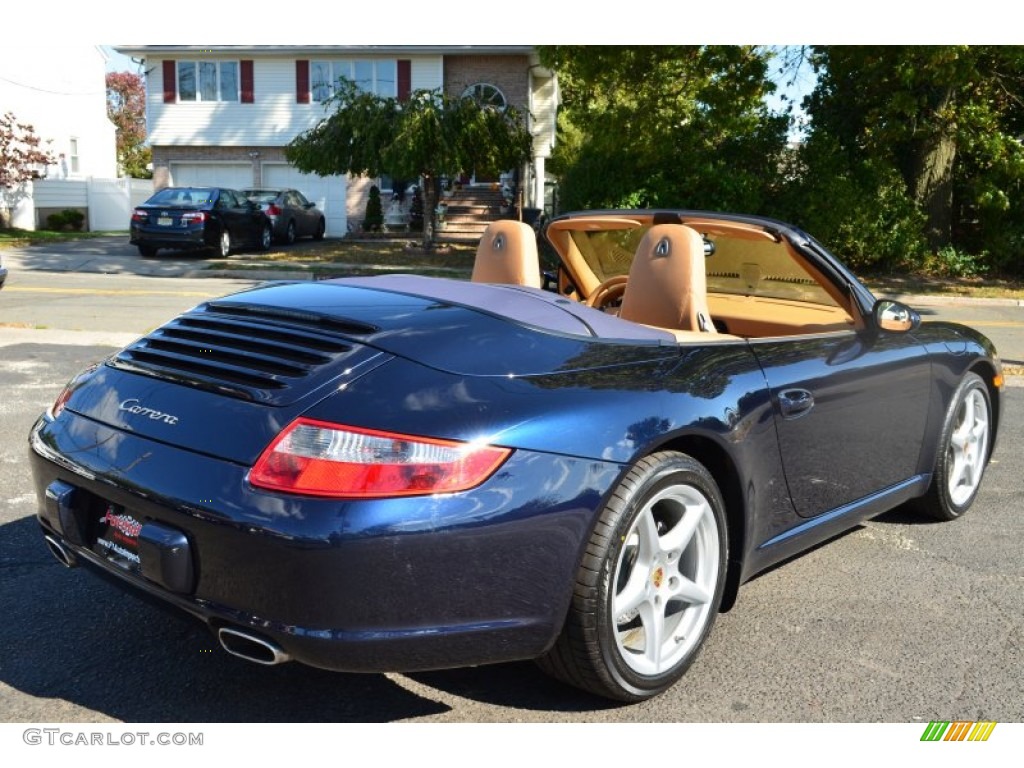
(407, 473)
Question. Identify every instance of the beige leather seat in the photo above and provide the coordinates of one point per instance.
(667, 287)
(507, 254)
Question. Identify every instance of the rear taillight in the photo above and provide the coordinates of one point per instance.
(140, 215)
(194, 217)
(322, 459)
(273, 210)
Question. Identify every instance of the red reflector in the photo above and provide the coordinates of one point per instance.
(321, 459)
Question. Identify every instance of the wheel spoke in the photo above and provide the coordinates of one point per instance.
(635, 592)
(653, 618)
(688, 590)
(647, 530)
(678, 538)
(957, 471)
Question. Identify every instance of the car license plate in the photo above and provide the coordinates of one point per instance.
(118, 538)
(165, 221)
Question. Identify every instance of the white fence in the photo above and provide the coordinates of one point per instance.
(108, 203)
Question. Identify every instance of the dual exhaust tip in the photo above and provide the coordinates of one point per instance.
(237, 642)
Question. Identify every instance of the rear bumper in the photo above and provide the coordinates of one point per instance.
(387, 585)
(163, 237)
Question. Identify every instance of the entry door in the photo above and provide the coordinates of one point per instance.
(850, 412)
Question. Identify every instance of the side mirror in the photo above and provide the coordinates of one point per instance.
(894, 317)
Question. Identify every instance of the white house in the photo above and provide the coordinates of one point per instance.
(61, 91)
(223, 115)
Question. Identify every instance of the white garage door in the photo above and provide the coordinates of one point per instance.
(328, 192)
(230, 175)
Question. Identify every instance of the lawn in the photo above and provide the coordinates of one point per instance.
(16, 238)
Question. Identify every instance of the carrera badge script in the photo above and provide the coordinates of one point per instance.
(133, 406)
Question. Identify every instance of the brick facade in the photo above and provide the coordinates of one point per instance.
(510, 74)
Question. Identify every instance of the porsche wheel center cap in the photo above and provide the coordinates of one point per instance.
(658, 577)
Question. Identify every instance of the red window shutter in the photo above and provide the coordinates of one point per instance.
(170, 82)
(247, 91)
(404, 79)
(302, 81)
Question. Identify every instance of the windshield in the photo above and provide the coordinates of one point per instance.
(736, 264)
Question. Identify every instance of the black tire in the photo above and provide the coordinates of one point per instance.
(289, 234)
(320, 229)
(148, 251)
(266, 237)
(224, 243)
(633, 557)
(962, 453)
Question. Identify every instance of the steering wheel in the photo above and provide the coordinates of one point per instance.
(608, 291)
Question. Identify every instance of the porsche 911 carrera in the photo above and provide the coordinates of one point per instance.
(403, 473)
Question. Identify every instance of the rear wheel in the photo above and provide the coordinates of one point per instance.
(289, 234)
(320, 229)
(147, 251)
(650, 584)
(224, 244)
(266, 236)
(963, 452)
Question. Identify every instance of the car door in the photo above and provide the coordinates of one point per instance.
(304, 215)
(850, 411)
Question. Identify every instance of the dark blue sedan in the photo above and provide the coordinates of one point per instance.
(408, 473)
(199, 218)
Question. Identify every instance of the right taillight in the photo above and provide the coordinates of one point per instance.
(323, 459)
(194, 217)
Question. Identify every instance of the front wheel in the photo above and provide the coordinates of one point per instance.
(963, 452)
(650, 584)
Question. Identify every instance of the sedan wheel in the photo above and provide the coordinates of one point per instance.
(963, 452)
(289, 235)
(266, 236)
(321, 228)
(225, 243)
(650, 586)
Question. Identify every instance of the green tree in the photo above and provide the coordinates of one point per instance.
(126, 108)
(666, 126)
(373, 219)
(430, 135)
(944, 122)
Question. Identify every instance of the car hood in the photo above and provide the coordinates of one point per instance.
(227, 376)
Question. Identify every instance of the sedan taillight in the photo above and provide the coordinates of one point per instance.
(194, 217)
(140, 214)
(273, 210)
(318, 458)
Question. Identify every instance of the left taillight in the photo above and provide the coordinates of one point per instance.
(69, 389)
(140, 215)
(323, 459)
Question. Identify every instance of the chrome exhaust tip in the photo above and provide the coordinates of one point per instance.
(251, 647)
(61, 554)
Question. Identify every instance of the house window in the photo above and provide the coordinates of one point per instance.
(486, 95)
(207, 81)
(379, 76)
(74, 155)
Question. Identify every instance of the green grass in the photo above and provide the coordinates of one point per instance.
(15, 238)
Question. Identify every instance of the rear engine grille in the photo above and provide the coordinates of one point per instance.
(250, 352)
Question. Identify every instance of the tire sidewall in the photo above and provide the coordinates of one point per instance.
(670, 470)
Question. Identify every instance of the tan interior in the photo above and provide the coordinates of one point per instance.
(507, 254)
(663, 301)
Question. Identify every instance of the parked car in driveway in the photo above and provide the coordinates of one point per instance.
(291, 214)
(199, 217)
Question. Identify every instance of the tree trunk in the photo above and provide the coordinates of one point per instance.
(933, 186)
(429, 206)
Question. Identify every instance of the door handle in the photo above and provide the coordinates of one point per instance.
(794, 403)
